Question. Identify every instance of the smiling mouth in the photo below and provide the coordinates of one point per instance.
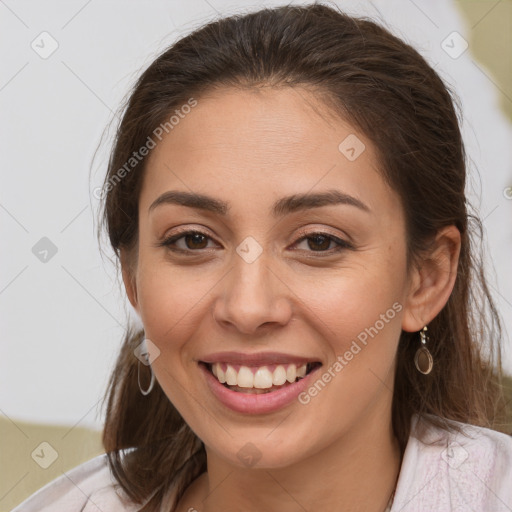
(259, 379)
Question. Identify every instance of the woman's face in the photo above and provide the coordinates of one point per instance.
(264, 276)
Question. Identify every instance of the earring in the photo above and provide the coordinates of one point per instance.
(143, 353)
(423, 359)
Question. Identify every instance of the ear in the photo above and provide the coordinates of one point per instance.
(432, 283)
(129, 279)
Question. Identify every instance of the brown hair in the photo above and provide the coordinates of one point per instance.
(383, 86)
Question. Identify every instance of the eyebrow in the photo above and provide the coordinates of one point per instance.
(281, 207)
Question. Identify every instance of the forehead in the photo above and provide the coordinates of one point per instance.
(261, 143)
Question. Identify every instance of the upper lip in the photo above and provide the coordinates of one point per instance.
(256, 359)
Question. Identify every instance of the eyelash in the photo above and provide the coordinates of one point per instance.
(342, 244)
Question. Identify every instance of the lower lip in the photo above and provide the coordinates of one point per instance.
(256, 403)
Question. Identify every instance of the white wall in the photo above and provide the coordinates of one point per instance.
(62, 320)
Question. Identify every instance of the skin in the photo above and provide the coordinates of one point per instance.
(250, 148)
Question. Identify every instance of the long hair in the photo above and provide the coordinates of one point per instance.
(381, 85)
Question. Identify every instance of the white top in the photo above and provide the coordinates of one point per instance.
(440, 472)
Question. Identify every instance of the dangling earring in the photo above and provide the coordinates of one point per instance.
(143, 353)
(423, 359)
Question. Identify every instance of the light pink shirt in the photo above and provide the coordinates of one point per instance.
(441, 472)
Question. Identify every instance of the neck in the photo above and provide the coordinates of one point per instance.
(355, 473)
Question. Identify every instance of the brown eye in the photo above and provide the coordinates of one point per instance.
(320, 242)
(193, 241)
(196, 240)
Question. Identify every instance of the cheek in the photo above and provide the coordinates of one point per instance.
(170, 300)
(361, 325)
(354, 298)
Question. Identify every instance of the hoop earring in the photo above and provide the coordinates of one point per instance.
(423, 358)
(144, 354)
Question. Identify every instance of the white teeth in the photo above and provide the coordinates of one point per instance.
(291, 373)
(245, 377)
(231, 376)
(263, 378)
(219, 373)
(279, 377)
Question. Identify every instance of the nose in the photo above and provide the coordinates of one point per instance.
(253, 298)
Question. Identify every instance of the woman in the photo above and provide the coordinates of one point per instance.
(286, 199)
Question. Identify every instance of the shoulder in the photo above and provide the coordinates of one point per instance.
(88, 487)
(445, 470)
